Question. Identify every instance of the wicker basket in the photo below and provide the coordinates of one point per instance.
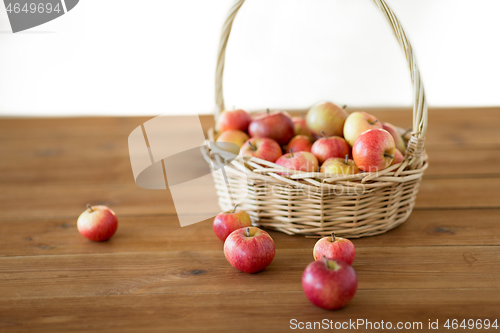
(316, 204)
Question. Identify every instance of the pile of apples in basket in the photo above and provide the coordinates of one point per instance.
(328, 140)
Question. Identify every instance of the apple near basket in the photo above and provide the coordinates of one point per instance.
(315, 204)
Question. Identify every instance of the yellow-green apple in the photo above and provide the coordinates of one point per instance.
(97, 223)
(340, 166)
(301, 161)
(275, 125)
(398, 157)
(227, 222)
(328, 147)
(326, 117)
(335, 248)
(234, 120)
(263, 148)
(398, 139)
(357, 123)
(299, 143)
(329, 284)
(300, 127)
(234, 136)
(373, 150)
(249, 249)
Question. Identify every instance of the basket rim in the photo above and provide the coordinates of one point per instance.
(258, 168)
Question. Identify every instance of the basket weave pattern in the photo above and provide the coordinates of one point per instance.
(316, 204)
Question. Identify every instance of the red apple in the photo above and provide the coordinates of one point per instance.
(97, 223)
(398, 157)
(263, 148)
(275, 125)
(398, 139)
(328, 147)
(234, 136)
(301, 161)
(329, 284)
(374, 150)
(326, 117)
(333, 247)
(227, 222)
(299, 143)
(300, 127)
(357, 123)
(340, 166)
(234, 120)
(249, 249)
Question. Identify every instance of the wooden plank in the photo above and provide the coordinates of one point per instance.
(458, 193)
(465, 162)
(19, 128)
(59, 200)
(70, 200)
(93, 160)
(208, 271)
(59, 127)
(240, 311)
(56, 236)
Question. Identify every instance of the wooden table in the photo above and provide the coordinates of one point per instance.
(153, 275)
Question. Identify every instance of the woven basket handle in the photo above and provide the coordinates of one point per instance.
(416, 144)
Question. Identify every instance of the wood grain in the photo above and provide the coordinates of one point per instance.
(208, 271)
(153, 275)
(38, 161)
(59, 236)
(240, 311)
(60, 200)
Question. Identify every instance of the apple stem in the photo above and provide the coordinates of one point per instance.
(248, 232)
(267, 110)
(344, 106)
(371, 123)
(346, 158)
(333, 237)
(91, 210)
(235, 207)
(323, 133)
(291, 151)
(252, 146)
(389, 155)
(325, 260)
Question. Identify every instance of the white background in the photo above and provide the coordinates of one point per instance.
(150, 57)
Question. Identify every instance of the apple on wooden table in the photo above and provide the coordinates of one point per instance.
(333, 247)
(329, 284)
(97, 223)
(328, 147)
(227, 222)
(373, 150)
(263, 148)
(326, 117)
(357, 123)
(249, 249)
(275, 125)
